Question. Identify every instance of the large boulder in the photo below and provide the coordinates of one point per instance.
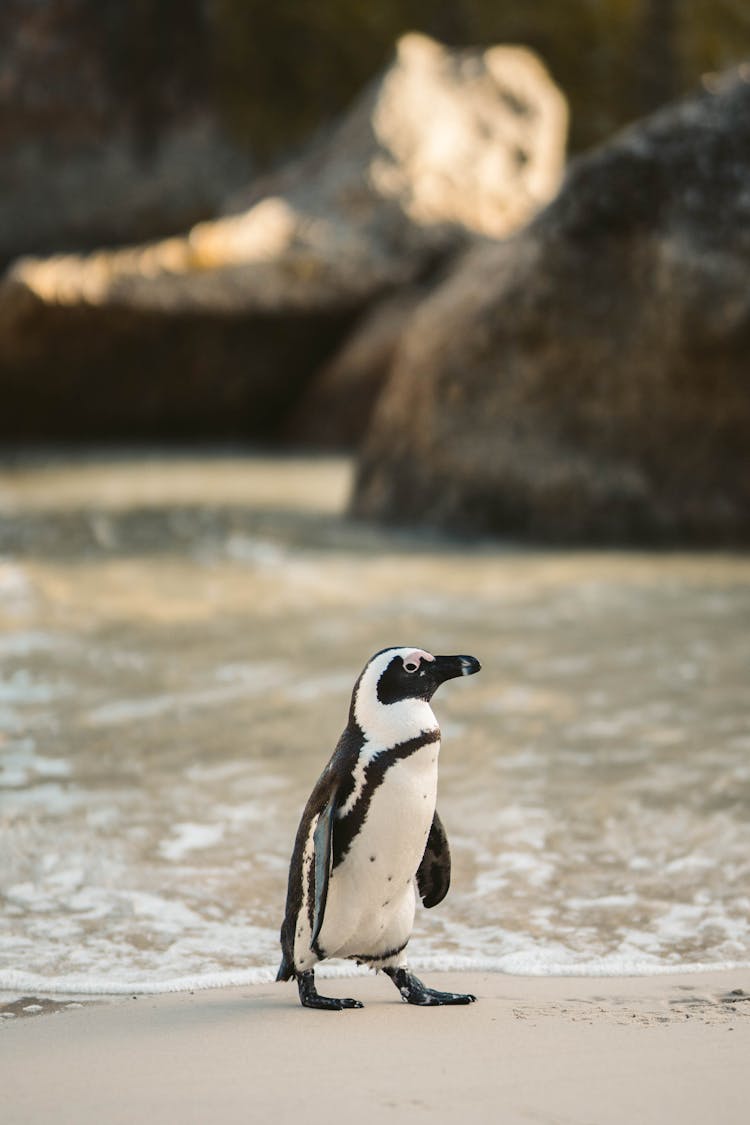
(108, 130)
(589, 378)
(218, 331)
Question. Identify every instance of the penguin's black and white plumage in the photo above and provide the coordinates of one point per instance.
(370, 836)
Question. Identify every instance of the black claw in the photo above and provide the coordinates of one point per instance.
(414, 992)
(311, 998)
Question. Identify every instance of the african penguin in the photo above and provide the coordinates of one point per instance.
(370, 836)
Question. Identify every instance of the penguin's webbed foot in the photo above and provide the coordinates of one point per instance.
(413, 991)
(311, 998)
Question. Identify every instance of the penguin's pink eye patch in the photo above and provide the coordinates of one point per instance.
(412, 659)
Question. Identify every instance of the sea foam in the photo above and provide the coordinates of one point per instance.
(18, 982)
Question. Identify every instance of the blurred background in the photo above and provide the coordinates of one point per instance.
(325, 328)
(250, 82)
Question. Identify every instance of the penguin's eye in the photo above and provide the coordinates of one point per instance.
(410, 666)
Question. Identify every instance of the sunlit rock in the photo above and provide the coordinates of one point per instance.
(218, 331)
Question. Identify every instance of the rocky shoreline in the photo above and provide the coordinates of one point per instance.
(511, 353)
(218, 332)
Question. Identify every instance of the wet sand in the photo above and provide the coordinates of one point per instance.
(607, 1051)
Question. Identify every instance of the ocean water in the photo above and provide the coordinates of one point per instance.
(178, 643)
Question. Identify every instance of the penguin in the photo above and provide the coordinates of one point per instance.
(370, 837)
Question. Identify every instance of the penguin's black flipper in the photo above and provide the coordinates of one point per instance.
(434, 872)
(323, 840)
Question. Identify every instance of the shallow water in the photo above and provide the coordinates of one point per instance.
(178, 642)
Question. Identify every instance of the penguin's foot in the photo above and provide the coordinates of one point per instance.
(311, 998)
(414, 992)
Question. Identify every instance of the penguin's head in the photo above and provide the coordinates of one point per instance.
(412, 673)
(400, 681)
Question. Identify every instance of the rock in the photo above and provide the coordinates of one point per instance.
(108, 194)
(335, 409)
(588, 379)
(108, 131)
(219, 330)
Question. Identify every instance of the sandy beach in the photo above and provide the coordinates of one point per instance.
(606, 1051)
(177, 651)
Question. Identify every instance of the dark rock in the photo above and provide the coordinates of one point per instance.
(218, 331)
(140, 374)
(588, 379)
(108, 133)
(335, 409)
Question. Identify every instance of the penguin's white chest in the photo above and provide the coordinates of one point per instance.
(371, 895)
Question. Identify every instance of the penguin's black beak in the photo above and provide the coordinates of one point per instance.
(448, 667)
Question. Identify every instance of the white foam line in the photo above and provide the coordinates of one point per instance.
(13, 981)
(515, 965)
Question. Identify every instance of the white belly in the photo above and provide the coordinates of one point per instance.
(371, 894)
